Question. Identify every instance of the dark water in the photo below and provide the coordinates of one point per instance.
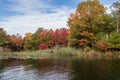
(59, 69)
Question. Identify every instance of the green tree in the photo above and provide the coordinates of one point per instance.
(35, 39)
(116, 13)
(114, 40)
(107, 25)
(28, 41)
(2, 36)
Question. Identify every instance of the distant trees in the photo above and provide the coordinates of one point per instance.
(44, 38)
(54, 38)
(89, 27)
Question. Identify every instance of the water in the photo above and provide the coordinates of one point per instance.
(60, 69)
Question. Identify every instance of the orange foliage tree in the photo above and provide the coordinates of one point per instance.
(15, 42)
(87, 17)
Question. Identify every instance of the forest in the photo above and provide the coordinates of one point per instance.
(90, 27)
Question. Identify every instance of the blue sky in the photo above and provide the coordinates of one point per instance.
(21, 16)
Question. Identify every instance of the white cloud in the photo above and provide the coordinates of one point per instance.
(34, 16)
(29, 23)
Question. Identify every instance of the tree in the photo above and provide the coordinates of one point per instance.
(87, 17)
(2, 36)
(114, 40)
(42, 46)
(61, 37)
(28, 41)
(16, 42)
(47, 37)
(87, 39)
(107, 25)
(35, 39)
(116, 13)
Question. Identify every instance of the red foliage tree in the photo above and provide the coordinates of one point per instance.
(102, 46)
(42, 46)
(47, 37)
(52, 38)
(15, 42)
(64, 37)
(61, 37)
(57, 37)
(43, 33)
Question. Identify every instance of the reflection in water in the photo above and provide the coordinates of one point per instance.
(59, 69)
(43, 69)
(95, 70)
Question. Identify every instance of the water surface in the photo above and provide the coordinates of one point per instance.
(59, 69)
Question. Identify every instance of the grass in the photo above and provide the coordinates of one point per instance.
(56, 52)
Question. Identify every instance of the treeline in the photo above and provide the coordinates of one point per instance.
(41, 39)
(90, 27)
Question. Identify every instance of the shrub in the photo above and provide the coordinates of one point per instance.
(102, 46)
(114, 40)
(42, 46)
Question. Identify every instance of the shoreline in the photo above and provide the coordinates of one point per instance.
(51, 54)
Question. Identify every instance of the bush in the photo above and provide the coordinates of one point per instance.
(102, 46)
(114, 40)
(42, 46)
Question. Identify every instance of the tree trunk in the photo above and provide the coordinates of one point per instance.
(117, 29)
(107, 36)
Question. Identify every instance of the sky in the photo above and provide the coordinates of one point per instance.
(21, 16)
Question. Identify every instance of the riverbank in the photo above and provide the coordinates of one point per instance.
(59, 52)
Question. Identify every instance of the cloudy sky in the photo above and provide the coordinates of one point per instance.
(21, 16)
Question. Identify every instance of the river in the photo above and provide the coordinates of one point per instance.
(60, 69)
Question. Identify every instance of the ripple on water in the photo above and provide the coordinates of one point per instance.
(27, 73)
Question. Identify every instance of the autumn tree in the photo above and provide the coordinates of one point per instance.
(61, 37)
(87, 17)
(51, 38)
(28, 41)
(35, 39)
(102, 46)
(47, 37)
(64, 37)
(87, 39)
(16, 42)
(42, 46)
